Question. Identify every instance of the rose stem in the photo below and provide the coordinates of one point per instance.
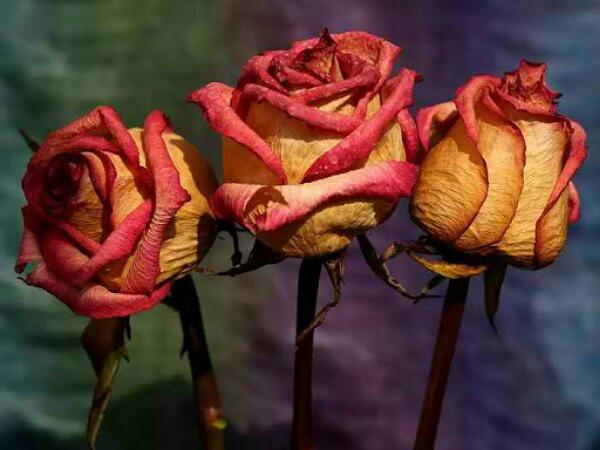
(449, 327)
(308, 288)
(211, 422)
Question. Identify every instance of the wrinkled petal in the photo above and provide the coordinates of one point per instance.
(369, 76)
(119, 244)
(385, 63)
(410, 137)
(576, 155)
(451, 187)
(169, 197)
(526, 89)
(361, 141)
(468, 95)
(289, 203)
(257, 69)
(434, 122)
(214, 101)
(337, 123)
(29, 251)
(102, 121)
(94, 300)
(502, 147)
(546, 146)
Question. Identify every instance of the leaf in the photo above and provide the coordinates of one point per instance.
(336, 266)
(104, 342)
(493, 279)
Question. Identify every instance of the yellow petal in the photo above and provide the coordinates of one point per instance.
(328, 229)
(192, 231)
(87, 217)
(451, 186)
(297, 144)
(503, 150)
(546, 142)
(553, 231)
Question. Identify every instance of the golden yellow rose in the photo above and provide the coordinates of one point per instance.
(496, 181)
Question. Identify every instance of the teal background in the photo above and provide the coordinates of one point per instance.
(536, 386)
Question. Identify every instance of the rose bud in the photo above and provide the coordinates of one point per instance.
(114, 216)
(497, 177)
(315, 142)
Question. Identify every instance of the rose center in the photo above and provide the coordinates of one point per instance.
(62, 182)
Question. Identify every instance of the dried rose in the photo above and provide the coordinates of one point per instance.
(114, 215)
(315, 142)
(497, 178)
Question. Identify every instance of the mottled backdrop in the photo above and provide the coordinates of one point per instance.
(534, 387)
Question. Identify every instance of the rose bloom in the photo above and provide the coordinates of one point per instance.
(114, 215)
(497, 178)
(315, 142)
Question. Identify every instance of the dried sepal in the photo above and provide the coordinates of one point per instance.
(32, 143)
(260, 256)
(335, 265)
(379, 267)
(493, 279)
(447, 268)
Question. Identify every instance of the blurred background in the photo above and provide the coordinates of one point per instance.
(535, 386)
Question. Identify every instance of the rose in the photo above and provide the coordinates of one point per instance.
(114, 215)
(315, 140)
(494, 182)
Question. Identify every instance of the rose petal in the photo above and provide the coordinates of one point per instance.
(288, 203)
(169, 197)
(410, 138)
(434, 122)
(214, 100)
(526, 89)
(94, 300)
(337, 123)
(29, 250)
(119, 244)
(256, 69)
(574, 204)
(546, 146)
(385, 63)
(361, 141)
(576, 155)
(369, 76)
(467, 97)
(102, 121)
(502, 147)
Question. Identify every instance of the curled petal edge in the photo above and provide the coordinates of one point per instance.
(359, 144)
(214, 100)
(289, 203)
(577, 152)
(169, 197)
(434, 121)
(94, 300)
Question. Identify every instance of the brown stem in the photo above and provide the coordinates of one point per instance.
(211, 422)
(308, 288)
(448, 330)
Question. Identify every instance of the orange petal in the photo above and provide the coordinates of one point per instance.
(546, 142)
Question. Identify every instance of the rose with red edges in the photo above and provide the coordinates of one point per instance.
(114, 215)
(497, 179)
(316, 142)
